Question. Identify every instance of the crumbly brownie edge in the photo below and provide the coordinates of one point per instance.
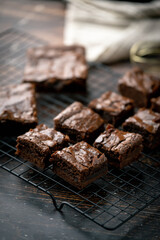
(150, 141)
(31, 152)
(140, 99)
(120, 161)
(83, 184)
(78, 178)
(70, 173)
(130, 152)
(76, 136)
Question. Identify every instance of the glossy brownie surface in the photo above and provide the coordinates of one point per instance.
(146, 119)
(139, 79)
(120, 147)
(38, 144)
(147, 123)
(78, 121)
(82, 156)
(79, 164)
(112, 107)
(44, 137)
(17, 102)
(18, 111)
(139, 85)
(56, 66)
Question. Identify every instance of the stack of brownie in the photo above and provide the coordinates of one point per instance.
(84, 139)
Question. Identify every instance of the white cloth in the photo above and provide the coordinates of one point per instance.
(108, 29)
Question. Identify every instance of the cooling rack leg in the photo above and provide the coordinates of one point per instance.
(55, 202)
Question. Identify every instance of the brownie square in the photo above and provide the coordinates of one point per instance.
(139, 86)
(113, 107)
(37, 145)
(80, 164)
(56, 67)
(147, 123)
(155, 104)
(17, 108)
(121, 148)
(79, 123)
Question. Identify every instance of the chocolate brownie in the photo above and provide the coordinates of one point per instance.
(37, 145)
(80, 164)
(121, 148)
(155, 104)
(56, 67)
(147, 123)
(139, 86)
(17, 108)
(113, 107)
(79, 123)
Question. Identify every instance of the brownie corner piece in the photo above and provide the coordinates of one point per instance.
(139, 86)
(79, 123)
(37, 144)
(80, 164)
(113, 107)
(147, 123)
(56, 67)
(121, 148)
(18, 111)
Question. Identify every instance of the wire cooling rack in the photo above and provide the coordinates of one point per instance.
(111, 200)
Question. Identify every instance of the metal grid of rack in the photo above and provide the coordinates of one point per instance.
(111, 200)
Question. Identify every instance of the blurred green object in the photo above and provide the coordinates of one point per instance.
(146, 54)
